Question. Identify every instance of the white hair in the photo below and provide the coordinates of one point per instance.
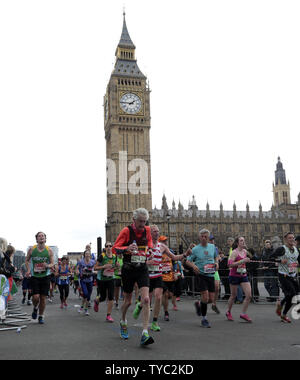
(204, 231)
(140, 211)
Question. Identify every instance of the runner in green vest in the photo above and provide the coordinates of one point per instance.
(106, 266)
(39, 261)
(118, 280)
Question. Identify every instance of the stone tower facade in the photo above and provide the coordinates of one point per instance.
(127, 129)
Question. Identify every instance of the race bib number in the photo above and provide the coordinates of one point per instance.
(210, 268)
(241, 270)
(293, 268)
(39, 268)
(138, 259)
(108, 272)
(166, 268)
(64, 278)
(153, 268)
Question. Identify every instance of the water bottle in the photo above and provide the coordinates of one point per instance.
(135, 252)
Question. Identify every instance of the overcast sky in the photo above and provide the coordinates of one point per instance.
(225, 97)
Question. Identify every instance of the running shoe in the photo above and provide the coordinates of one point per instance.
(109, 319)
(23, 301)
(62, 306)
(175, 308)
(155, 327)
(34, 313)
(137, 310)
(29, 303)
(124, 331)
(198, 308)
(86, 312)
(65, 305)
(246, 318)
(205, 323)
(41, 320)
(229, 316)
(178, 299)
(166, 318)
(278, 309)
(116, 306)
(146, 339)
(215, 309)
(96, 306)
(80, 310)
(285, 319)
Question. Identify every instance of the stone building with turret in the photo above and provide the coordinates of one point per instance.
(182, 225)
(127, 123)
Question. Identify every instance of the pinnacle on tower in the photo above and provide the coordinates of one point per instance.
(125, 40)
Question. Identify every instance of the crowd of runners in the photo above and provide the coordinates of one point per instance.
(141, 263)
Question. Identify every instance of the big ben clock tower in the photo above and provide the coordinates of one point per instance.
(127, 127)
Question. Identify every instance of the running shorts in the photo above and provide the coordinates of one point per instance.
(26, 284)
(132, 274)
(234, 280)
(118, 283)
(156, 283)
(169, 286)
(40, 285)
(205, 283)
(106, 290)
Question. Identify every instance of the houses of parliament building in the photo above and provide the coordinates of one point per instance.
(127, 125)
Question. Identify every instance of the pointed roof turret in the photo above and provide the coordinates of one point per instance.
(125, 40)
(280, 177)
(126, 64)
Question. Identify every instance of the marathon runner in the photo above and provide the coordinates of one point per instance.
(63, 281)
(118, 280)
(39, 262)
(289, 260)
(179, 276)
(217, 279)
(238, 276)
(76, 284)
(26, 286)
(204, 262)
(106, 266)
(155, 268)
(134, 242)
(85, 269)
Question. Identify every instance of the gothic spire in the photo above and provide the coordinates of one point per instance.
(280, 174)
(125, 40)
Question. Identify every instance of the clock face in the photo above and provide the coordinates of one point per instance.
(130, 103)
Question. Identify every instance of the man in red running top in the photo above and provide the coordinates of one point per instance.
(134, 242)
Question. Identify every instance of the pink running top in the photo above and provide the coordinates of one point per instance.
(239, 271)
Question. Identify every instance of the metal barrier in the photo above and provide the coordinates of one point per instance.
(15, 318)
(260, 294)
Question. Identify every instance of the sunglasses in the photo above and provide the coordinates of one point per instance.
(109, 245)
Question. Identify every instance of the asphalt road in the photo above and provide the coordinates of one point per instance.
(69, 335)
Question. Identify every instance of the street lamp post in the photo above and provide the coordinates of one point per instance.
(168, 221)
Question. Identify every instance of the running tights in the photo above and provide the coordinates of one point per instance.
(64, 292)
